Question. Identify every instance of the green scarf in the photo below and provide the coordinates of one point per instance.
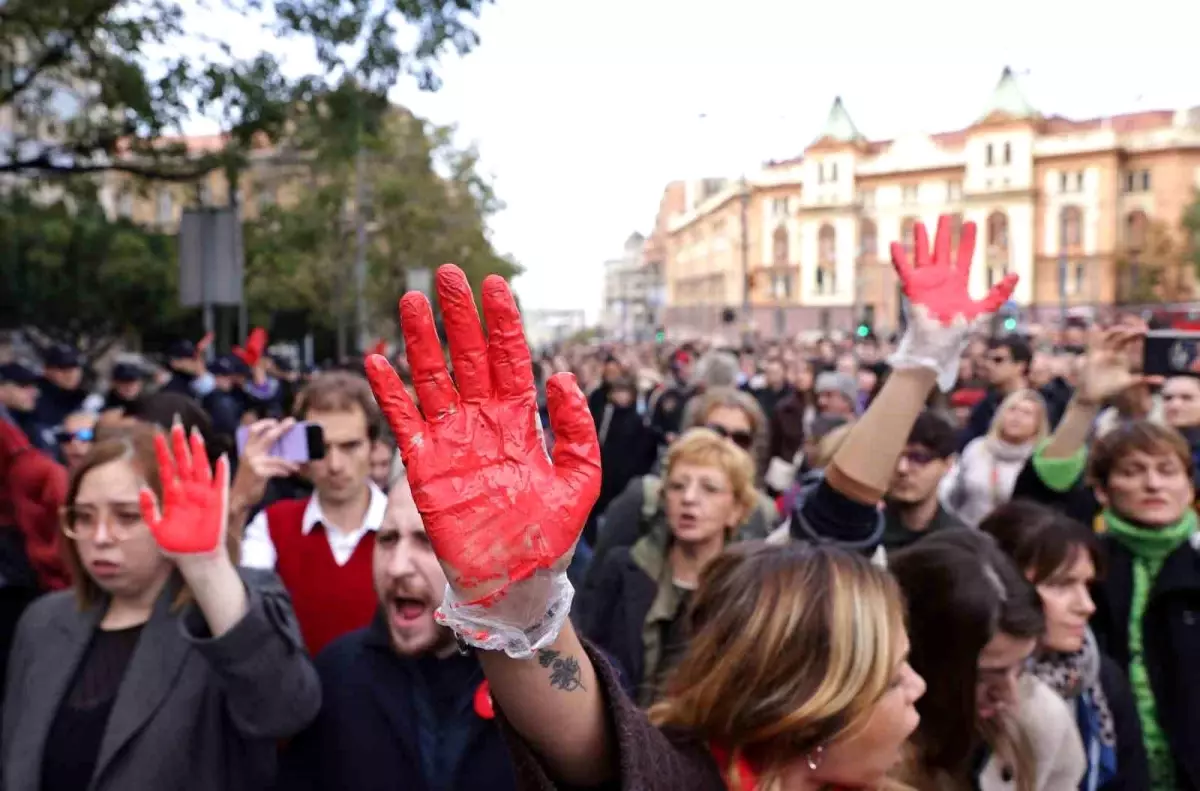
(1150, 549)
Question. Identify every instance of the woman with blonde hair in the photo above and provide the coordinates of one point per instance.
(165, 667)
(987, 470)
(634, 603)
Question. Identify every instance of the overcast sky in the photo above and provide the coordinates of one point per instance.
(584, 109)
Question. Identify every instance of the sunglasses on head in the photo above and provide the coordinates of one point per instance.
(743, 439)
(83, 435)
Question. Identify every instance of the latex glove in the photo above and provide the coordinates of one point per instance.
(502, 518)
(194, 516)
(941, 313)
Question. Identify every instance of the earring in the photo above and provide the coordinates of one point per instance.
(814, 758)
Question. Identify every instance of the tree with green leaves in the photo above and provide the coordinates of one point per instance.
(426, 204)
(68, 273)
(94, 85)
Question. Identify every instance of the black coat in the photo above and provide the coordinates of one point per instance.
(369, 735)
(1133, 771)
(1171, 643)
(611, 611)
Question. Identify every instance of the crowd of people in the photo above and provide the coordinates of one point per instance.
(952, 559)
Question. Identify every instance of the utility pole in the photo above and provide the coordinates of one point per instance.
(360, 250)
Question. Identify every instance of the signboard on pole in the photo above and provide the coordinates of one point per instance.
(211, 258)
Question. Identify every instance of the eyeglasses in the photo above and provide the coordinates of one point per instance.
(743, 439)
(83, 435)
(122, 521)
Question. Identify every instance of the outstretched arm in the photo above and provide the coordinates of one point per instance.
(501, 516)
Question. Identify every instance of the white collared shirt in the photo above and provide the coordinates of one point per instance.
(259, 553)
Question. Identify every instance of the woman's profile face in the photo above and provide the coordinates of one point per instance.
(1002, 663)
(873, 750)
(1068, 603)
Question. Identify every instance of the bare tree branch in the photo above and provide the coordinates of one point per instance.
(182, 172)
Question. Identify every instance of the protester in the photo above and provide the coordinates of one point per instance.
(402, 708)
(321, 545)
(163, 668)
(634, 604)
(984, 476)
(974, 623)
(1062, 558)
(75, 437)
(738, 700)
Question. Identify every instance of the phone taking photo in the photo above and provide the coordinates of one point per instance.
(1171, 353)
(301, 443)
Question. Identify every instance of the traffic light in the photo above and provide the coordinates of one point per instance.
(660, 335)
(1010, 324)
(866, 322)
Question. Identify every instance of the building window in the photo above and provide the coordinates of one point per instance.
(989, 156)
(907, 233)
(1136, 225)
(820, 172)
(1008, 153)
(163, 208)
(953, 190)
(833, 171)
(1137, 181)
(826, 260)
(868, 240)
(1080, 275)
(1070, 227)
(779, 247)
(997, 247)
(956, 226)
(1079, 181)
(909, 194)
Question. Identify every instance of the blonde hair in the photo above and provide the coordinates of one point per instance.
(1011, 400)
(706, 448)
(791, 648)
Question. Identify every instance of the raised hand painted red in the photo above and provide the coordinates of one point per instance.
(940, 284)
(195, 499)
(256, 344)
(494, 505)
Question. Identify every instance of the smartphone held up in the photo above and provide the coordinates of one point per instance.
(302, 443)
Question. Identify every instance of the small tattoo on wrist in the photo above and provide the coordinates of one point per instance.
(565, 672)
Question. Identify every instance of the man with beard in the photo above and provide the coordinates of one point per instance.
(403, 709)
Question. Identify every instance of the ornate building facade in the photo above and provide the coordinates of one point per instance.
(1088, 213)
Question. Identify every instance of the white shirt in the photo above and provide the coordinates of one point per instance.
(259, 553)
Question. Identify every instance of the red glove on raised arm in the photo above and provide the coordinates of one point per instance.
(939, 284)
(495, 508)
(195, 501)
(256, 344)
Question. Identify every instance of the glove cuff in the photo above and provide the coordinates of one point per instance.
(528, 617)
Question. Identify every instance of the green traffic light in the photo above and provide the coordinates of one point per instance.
(1010, 323)
(863, 330)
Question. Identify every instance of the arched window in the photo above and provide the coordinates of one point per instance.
(868, 239)
(779, 247)
(1070, 227)
(826, 260)
(956, 226)
(997, 247)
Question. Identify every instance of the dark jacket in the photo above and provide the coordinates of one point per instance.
(1171, 643)
(54, 403)
(371, 734)
(193, 713)
(1133, 772)
(646, 758)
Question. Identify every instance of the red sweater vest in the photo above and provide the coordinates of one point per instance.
(329, 600)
